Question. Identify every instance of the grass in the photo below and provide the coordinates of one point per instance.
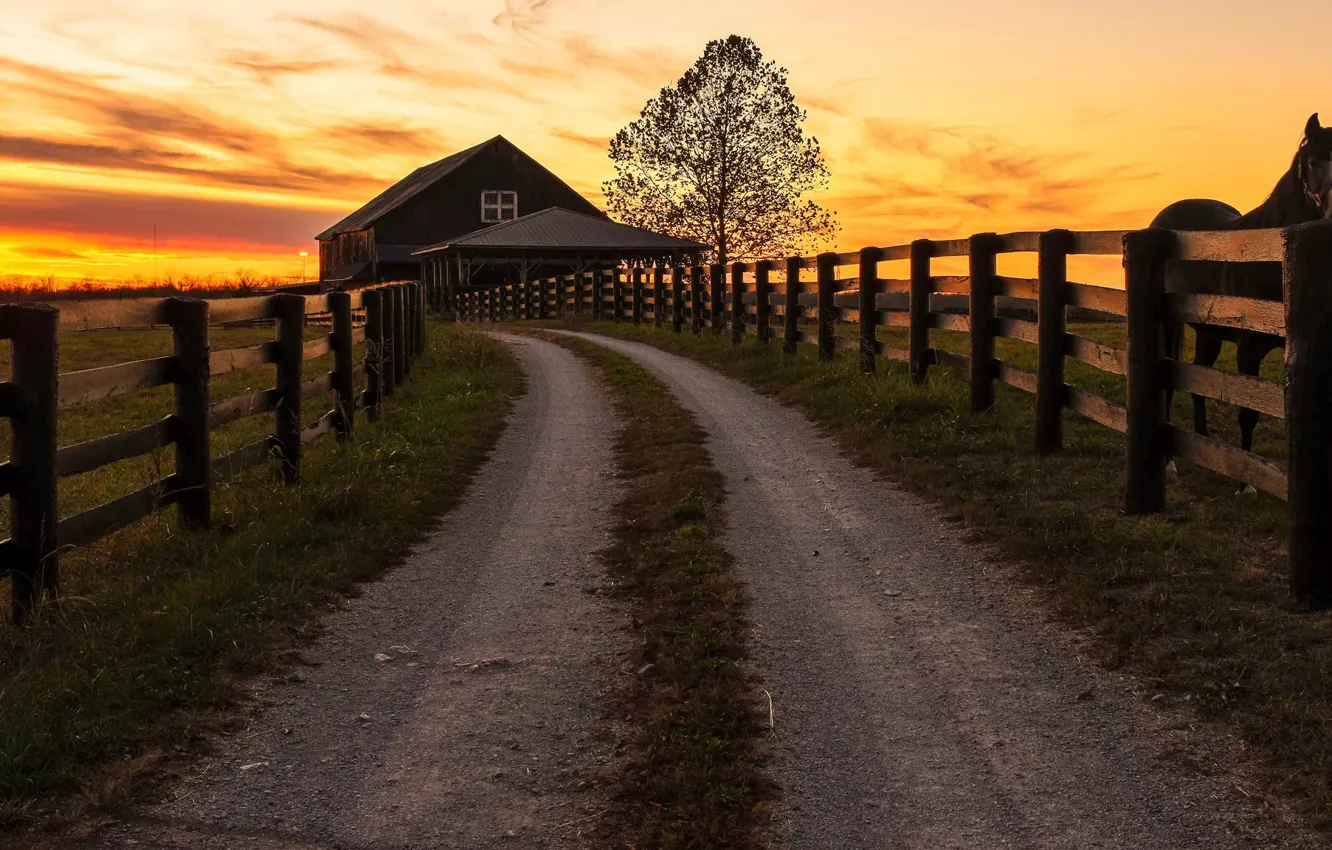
(1194, 601)
(693, 777)
(157, 623)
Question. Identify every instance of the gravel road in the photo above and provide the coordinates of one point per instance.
(460, 701)
(921, 698)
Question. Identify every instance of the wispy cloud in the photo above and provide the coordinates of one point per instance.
(525, 16)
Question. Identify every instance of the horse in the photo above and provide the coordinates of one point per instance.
(1303, 194)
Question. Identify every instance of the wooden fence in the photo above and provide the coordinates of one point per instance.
(745, 300)
(32, 399)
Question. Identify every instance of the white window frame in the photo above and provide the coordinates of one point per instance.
(498, 205)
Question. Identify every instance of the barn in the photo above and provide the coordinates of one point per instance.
(484, 185)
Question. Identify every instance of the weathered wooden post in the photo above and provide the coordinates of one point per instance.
(399, 336)
(409, 327)
(696, 299)
(919, 353)
(29, 400)
(289, 311)
(717, 303)
(1051, 297)
(374, 351)
(1307, 275)
(617, 297)
(982, 257)
(1145, 256)
(543, 298)
(420, 320)
(870, 287)
(658, 295)
(188, 318)
(762, 301)
(677, 298)
(389, 381)
(827, 270)
(638, 296)
(791, 328)
(409, 331)
(737, 303)
(344, 375)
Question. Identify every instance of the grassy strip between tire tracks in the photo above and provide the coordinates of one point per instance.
(1193, 601)
(694, 776)
(157, 623)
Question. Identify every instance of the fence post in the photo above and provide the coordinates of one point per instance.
(1145, 255)
(827, 307)
(289, 310)
(696, 299)
(762, 301)
(1307, 276)
(981, 256)
(737, 303)
(421, 319)
(399, 336)
(30, 475)
(870, 287)
(677, 298)
(918, 333)
(409, 327)
(617, 297)
(791, 327)
(1052, 296)
(374, 351)
(414, 318)
(190, 483)
(717, 305)
(658, 295)
(388, 379)
(344, 378)
(638, 295)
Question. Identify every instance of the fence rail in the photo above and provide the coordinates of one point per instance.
(743, 300)
(394, 328)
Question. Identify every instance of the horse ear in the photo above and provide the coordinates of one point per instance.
(1313, 127)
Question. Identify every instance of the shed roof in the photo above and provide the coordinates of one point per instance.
(558, 229)
(405, 189)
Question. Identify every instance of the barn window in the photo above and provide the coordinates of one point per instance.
(499, 206)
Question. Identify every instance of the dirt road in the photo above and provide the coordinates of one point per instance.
(459, 702)
(920, 700)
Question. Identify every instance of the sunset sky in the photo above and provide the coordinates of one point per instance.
(241, 129)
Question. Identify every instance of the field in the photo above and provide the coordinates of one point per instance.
(155, 622)
(1194, 601)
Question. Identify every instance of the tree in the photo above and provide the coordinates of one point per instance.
(722, 157)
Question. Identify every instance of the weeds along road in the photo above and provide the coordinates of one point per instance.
(459, 701)
(920, 702)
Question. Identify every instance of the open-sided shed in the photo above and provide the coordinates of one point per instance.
(553, 241)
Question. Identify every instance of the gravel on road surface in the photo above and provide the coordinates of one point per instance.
(460, 701)
(921, 698)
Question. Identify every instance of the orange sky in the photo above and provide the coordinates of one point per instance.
(243, 128)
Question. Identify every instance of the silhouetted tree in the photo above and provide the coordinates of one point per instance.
(722, 157)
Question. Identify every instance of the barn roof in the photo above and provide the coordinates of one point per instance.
(558, 229)
(406, 189)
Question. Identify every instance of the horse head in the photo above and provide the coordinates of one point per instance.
(1314, 161)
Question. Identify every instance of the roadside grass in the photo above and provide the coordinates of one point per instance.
(694, 776)
(157, 623)
(1194, 601)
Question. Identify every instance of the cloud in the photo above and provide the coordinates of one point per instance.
(600, 144)
(127, 219)
(524, 16)
(965, 173)
(267, 69)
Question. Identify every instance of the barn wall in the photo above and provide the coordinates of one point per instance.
(452, 206)
(358, 246)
